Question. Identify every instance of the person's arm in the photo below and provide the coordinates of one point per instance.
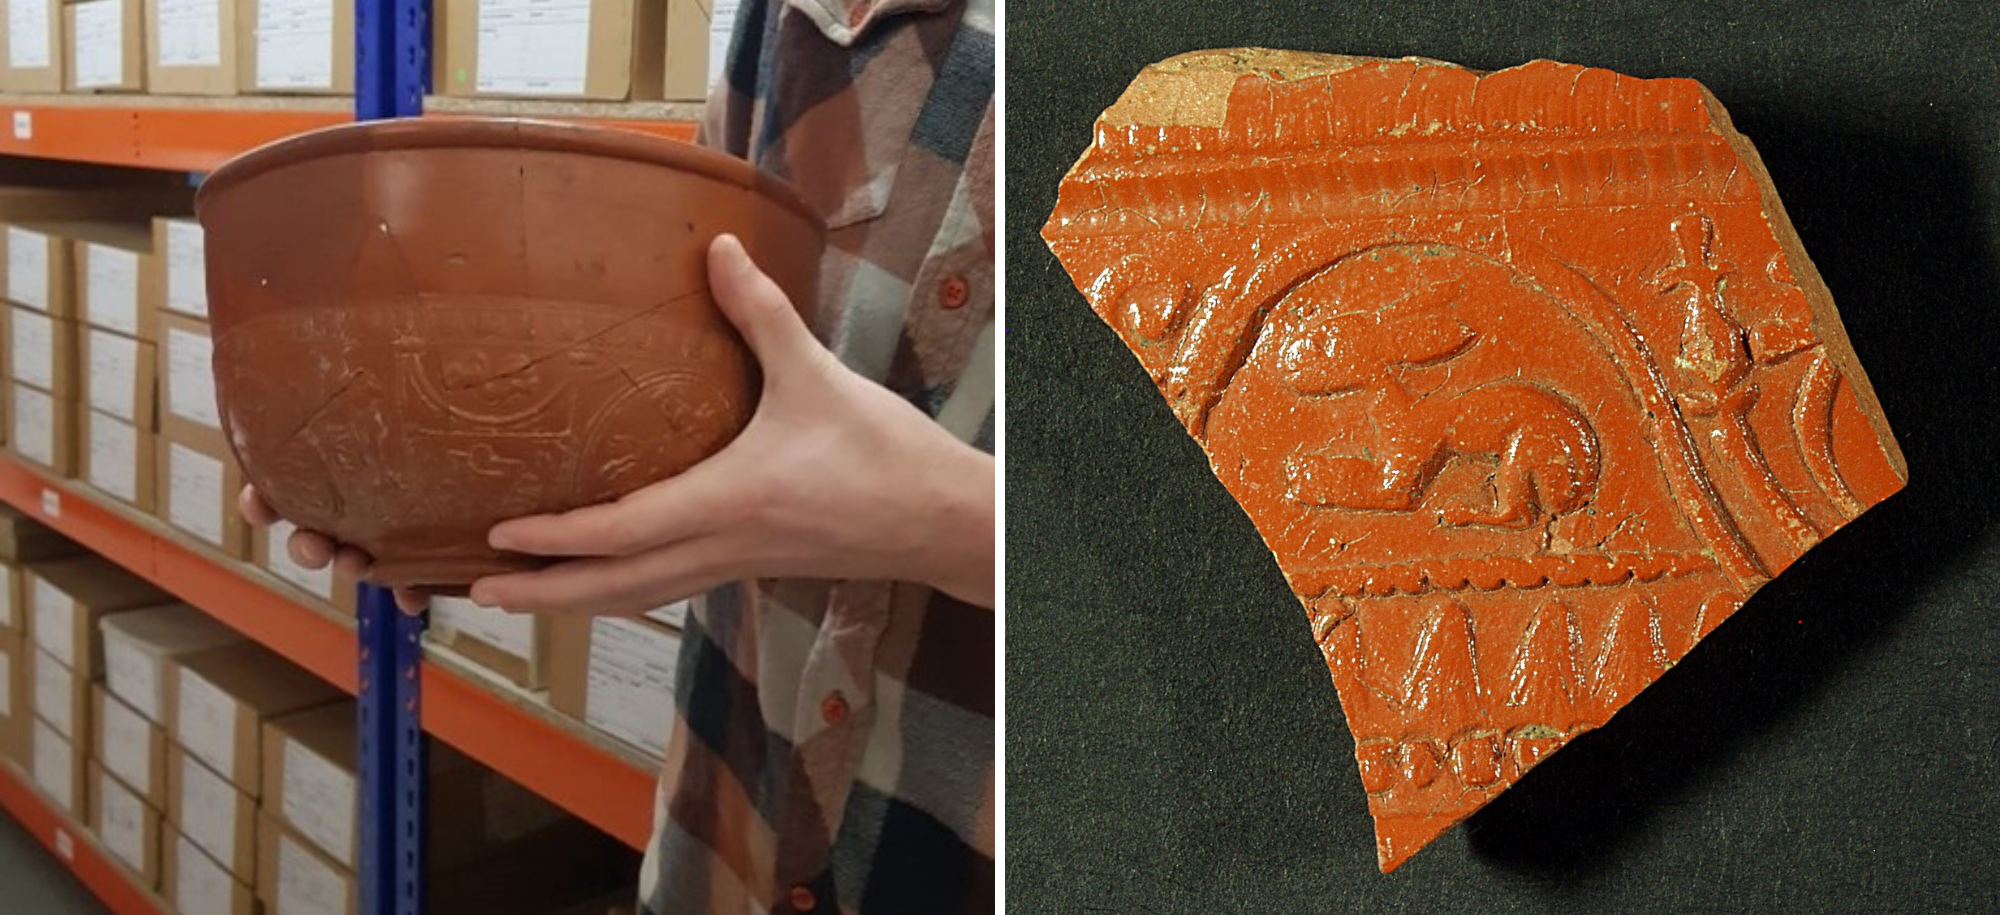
(835, 477)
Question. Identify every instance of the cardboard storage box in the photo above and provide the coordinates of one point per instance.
(311, 782)
(61, 697)
(32, 60)
(217, 817)
(140, 645)
(293, 876)
(694, 58)
(198, 483)
(115, 273)
(120, 376)
(126, 825)
(16, 704)
(295, 47)
(512, 645)
(24, 539)
(129, 746)
(39, 270)
(70, 597)
(194, 884)
(191, 47)
(184, 262)
(187, 385)
(218, 701)
(326, 585)
(106, 47)
(119, 460)
(543, 871)
(42, 352)
(616, 675)
(41, 429)
(611, 50)
(57, 768)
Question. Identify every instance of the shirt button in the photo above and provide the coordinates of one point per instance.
(803, 898)
(834, 708)
(953, 292)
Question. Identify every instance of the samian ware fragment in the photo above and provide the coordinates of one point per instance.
(425, 327)
(1523, 376)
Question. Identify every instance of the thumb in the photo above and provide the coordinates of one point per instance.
(761, 311)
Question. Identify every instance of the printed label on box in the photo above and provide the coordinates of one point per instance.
(27, 252)
(114, 457)
(34, 432)
(205, 723)
(187, 267)
(55, 621)
(121, 822)
(674, 614)
(190, 379)
(133, 675)
(188, 33)
(208, 810)
(629, 692)
(317, 582)
(34, 349)
(294, 44)
(98, 43)
(28, 35)
(8, 617)
(511, 633)
(113, 294)
(539, 47)
(128, 752)
(201, 886)
(53, 765)
(306, 886)
(721, 28)
(114, 375)
(195, 504)
(318, 800)
(53, 695)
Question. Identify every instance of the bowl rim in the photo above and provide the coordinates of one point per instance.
(476, 132)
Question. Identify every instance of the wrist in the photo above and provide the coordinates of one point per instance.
(959, 528)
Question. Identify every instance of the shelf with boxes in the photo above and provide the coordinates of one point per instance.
(106, 380)
(187, 84)
(177, 765)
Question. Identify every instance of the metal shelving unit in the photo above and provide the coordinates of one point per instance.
(377, 656)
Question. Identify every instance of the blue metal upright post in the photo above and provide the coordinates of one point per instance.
(391, 73)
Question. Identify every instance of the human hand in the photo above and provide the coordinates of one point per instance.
(315, 550)
(834, 477)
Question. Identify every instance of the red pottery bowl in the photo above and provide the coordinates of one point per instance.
(425, 327)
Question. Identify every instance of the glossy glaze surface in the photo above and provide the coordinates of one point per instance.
(1523, 377)
(426, 327)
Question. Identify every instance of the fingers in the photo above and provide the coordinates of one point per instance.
(761, 311)
(667, 512)
(254, 509)
(609, 586)
(411, 602)
(311, 549)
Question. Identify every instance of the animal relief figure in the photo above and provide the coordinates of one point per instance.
(1544, 454)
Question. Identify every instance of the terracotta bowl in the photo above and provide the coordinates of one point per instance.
(425, 327)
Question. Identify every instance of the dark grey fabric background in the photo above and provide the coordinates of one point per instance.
(1174, 743)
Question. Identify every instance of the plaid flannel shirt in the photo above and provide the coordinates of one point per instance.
(832, 744)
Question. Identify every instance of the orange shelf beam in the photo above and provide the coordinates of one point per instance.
(74, 848)
(586, 780)
(175, 139)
